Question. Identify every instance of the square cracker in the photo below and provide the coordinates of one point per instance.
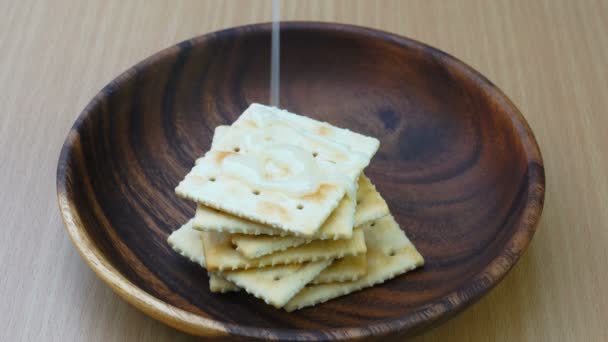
(370, 206)
(221, 255)
(365, 145)
(276, 285)
(349, 268)
(342, 155)
(390, 253)
(339, 224)
(258, 115)
(301, 215)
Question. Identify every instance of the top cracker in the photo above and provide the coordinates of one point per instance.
(280, 169)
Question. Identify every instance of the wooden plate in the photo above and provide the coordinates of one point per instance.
(458, 166)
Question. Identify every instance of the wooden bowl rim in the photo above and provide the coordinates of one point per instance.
(435, 311)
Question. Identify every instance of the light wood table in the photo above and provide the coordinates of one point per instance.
(550, 57)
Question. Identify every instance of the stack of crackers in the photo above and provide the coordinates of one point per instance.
(285, 212)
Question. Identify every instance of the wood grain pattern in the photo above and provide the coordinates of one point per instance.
(549, 56)
(458, 166)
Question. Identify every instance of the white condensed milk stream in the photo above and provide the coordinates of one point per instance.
(275, 62)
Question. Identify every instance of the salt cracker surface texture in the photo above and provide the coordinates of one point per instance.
(220, 255)
(340, 270)
(339, 224)
(389, 254)
(370, 206)
(277, 285)
(280, 169)
(349, 268)
(188, 242)
(255, 246)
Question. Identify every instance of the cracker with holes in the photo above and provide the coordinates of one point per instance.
(276, 285)
(339, 224)
(280, 169)
(221, 254)
(256, 246)
(188, 242)
(346, 269)
(349, 268)
(390, 253)
(369, 206)
(340, 270)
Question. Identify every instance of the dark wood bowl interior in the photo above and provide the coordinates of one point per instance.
(458, 166)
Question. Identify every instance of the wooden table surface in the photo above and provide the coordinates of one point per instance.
(549, 56)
